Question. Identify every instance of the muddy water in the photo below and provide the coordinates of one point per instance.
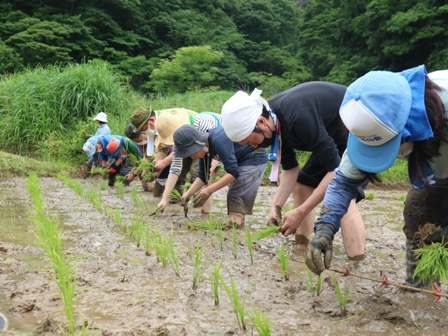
(124, 291)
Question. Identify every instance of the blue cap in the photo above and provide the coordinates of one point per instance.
(90, 146)
(375, 110)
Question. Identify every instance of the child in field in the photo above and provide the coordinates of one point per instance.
(117, 153)
(103, 129)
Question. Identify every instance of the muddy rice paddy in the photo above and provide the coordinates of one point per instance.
(124, 291)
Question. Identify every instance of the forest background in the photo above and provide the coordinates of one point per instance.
(64, 61)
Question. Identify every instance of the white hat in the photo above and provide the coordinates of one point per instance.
(240, 114)
(101, 117)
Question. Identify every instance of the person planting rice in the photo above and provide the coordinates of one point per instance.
(305, 118)
(244, 166)
(116, 153)
(103, 129)
(392, 115)
(144, 121)
(166, 125)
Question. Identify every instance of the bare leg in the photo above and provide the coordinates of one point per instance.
(353, 233)
(300, 194)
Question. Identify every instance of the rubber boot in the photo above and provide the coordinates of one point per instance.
(236, 220)
(411, 265)
(112, 178)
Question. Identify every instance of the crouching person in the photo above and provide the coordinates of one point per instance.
(116, 153)
(244, 166)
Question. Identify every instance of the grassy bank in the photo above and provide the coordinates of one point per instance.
(14, 165)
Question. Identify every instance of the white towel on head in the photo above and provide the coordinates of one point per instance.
(240, 114)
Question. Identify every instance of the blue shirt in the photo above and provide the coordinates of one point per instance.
(231, 154)
(102, 130)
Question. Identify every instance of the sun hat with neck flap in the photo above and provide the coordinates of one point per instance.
(188, 140)
(167, 123)
(240, 114)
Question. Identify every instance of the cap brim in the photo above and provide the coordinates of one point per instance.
(141, 125)
(188, 151)
(373, 159)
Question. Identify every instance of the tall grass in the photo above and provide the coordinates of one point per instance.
(53, 99)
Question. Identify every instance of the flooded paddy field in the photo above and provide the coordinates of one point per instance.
(124, 290)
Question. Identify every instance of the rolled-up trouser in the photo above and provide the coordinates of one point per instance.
(422, 206)
(243, 191)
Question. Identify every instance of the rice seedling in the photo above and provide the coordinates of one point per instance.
(103, 185)
(190, 251)
(239, 307)
(148, 243)
(120, 189)
(117, 218)
(172, 254)
(200, 225)
(175, 195)
(343, 297)
(249, 244)
(266, 232)
(234, 241)
(211, 225)
(160, 247)
(260, 322)
(284, 256)
(136, 230)
(197, 271)
(214, 281)
(220, 234)
(134, 196)
(314, 289)
(433, 264)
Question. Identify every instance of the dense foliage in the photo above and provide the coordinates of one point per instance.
(271, 44)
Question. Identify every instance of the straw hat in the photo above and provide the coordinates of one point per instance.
(167, 123)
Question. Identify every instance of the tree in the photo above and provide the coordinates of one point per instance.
(191, 68)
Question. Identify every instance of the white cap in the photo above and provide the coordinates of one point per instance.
(101, 117)
(240, 114)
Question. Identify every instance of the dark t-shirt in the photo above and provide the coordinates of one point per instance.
(231, 154)
(310, 121)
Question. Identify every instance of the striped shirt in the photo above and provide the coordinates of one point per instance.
(203, 121)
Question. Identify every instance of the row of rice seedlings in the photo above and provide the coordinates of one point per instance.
(343, 297)
(197, 271)
(103, 185)
(172, 254)
(249, 244)
(284, 257)
(50, 238)
(260, 321)
(314, 289)
(214, 280)
(433, 264)
(239, 306)
(94, 198)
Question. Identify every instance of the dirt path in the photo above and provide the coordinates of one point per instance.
(124, 291)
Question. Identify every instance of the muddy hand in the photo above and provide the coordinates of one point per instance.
(200, 199)
(322, 243)
(277, 219)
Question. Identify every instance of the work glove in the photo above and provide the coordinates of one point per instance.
(113, 169)
(200, 199)
(322, 243)
(437, 237)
